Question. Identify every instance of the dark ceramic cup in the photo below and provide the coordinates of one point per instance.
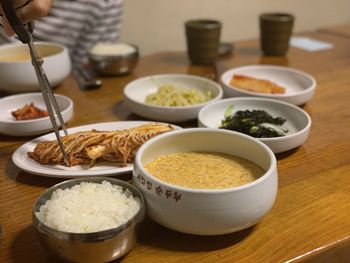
(203, 38)
(275, 32)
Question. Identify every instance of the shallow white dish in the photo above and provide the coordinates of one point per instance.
(298, 122)
(136, 91)
(10, 126)
(300, 86)
(19, 76)
(21, 159)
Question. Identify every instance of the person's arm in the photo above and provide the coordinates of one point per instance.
(27, 10)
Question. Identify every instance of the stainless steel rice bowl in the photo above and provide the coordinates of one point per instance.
(111, 62)
(99, 246)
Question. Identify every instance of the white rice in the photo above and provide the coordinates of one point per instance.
(103, 49)
(88, 207)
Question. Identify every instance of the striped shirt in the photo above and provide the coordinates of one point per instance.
(79, 24)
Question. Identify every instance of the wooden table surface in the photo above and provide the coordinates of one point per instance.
(310, 220)
(340, 30)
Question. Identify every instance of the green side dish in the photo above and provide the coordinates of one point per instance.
(256, 123)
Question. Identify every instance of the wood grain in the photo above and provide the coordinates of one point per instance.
(310, 220)
(339, 30)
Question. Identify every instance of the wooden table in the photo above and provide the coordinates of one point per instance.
(310, 220)
(340, 30)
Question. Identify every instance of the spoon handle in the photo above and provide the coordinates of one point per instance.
(85, 79)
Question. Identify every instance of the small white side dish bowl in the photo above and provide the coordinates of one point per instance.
(299, 86)
(207, 211)
(298, 122)
(100, 246)
(17, 73)
(136, 91)
(12, 127)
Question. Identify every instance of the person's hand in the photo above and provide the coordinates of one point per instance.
(27, 10)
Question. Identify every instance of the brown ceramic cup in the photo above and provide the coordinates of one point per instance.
(275, 32)
(203, 38)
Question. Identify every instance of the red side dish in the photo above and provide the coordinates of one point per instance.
(29, 112)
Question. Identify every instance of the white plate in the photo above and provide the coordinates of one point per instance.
(298, 122)
(136, 91)
(21, 159)
(300, 86)
(10, 126)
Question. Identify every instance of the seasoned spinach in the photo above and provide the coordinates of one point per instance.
(256, 123)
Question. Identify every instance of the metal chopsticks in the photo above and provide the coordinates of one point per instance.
(49, 99)
(24, 34)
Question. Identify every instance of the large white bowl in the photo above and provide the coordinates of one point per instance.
(298, 122)
(206, 211)
(19, 76)
(300, 86)
(10, 126)
(136, 91)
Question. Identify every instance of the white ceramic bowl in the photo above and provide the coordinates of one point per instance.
(136, 91)
(206, 211)
(10, 126)
(300, 86)
(19, 76)
(298, 122)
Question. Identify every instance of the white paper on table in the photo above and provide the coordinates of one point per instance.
(309, 44)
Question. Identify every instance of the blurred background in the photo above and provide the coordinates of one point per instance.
(158, 25)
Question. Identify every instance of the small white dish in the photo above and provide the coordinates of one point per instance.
(12, 127)
(136, 91)
(23, 161)
(298, 122)
(299, 86)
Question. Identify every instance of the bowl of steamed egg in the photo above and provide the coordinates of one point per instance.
(205, 181)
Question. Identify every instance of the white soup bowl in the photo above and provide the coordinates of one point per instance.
(17, 73)
(206, 211)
